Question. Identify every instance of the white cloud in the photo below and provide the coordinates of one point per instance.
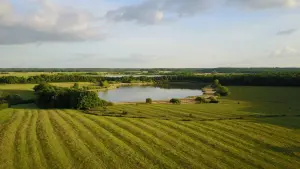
(286, 51)
(47, 23)
(154, 11)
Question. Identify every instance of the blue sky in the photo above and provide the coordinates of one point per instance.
(149, 33)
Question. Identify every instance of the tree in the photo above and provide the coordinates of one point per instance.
(175, 101)
(87, 100)
(57, 97)
(149, 101)
(223, 91)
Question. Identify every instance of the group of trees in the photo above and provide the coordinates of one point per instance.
(212, 99)
(260, 79)
(70, 78)
(220, 90)
(49, 96)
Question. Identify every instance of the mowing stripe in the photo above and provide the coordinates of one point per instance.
(206, 139)
(267, 136)
(283, 134)
(51, 146)
(202, 151)
(166, 144)
(240, 143)
(82, 157)
(106, 158)
(7, 138)
(21, 149)
(185, 151)
(205, 115)
(251, 139)
(233, 147)
(36, 157)
(137, 143)
(119, 149)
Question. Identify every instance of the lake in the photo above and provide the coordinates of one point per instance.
(140, 93)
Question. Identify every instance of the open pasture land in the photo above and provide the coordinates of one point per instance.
(250, 129)
(28, 74)
(26, 90)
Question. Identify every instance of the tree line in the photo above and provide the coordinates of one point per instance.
(155, 70)
(257, 79)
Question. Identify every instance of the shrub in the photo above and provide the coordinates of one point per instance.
(223, 91)
(200, 99)
(149, 101)
(175, 101)
(213, 100)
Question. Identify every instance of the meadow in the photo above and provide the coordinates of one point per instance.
(26, 90)
(255, 127)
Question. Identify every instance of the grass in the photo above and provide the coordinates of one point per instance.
(256, 127)
(26, 90)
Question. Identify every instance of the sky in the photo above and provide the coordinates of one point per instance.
(149, 33)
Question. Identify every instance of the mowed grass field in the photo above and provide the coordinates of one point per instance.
(256, 127)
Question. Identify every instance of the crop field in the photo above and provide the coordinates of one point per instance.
(243, 131)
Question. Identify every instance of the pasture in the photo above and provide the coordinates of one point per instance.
(256, 127)
(26, 90)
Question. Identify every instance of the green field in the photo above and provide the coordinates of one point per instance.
(256, 127)
(26, 90)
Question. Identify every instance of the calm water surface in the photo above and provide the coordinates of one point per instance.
(140, 93)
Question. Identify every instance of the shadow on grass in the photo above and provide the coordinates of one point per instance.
(275, 105)
(25, 94)
(25, 106)
(291, 151)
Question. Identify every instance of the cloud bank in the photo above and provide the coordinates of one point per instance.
(155, 11)
(47, 22)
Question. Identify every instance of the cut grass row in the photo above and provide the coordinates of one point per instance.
(32, 138)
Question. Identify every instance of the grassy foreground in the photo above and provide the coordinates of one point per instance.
(256, 127)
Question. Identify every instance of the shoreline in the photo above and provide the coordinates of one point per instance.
(207, 92)
(117, 85)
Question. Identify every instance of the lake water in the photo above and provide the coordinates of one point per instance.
(140, 93)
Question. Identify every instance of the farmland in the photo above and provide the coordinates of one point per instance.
(250, 129)
(26, 90)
